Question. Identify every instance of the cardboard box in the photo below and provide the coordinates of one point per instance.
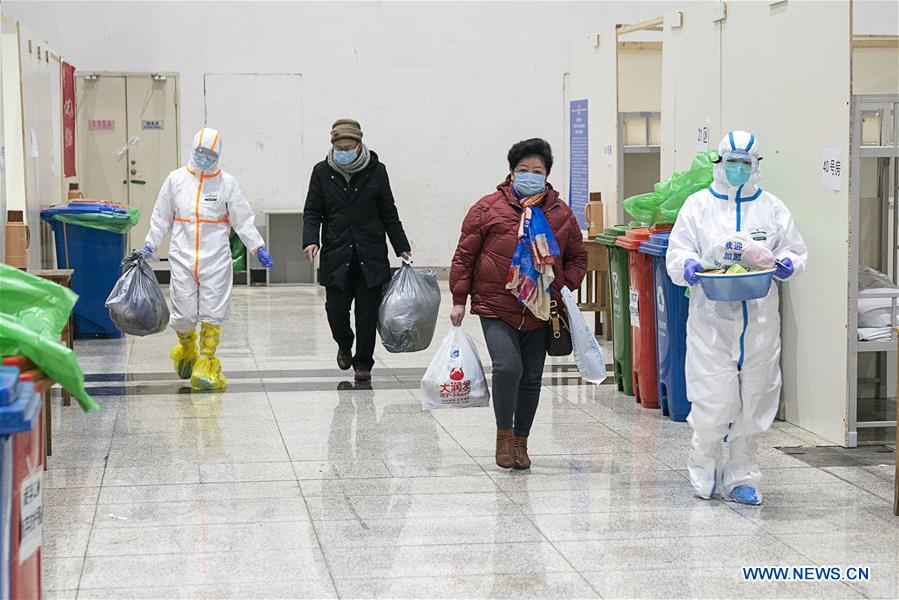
(594, 215)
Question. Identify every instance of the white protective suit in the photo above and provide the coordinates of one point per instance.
(200, 208)
(733, 348)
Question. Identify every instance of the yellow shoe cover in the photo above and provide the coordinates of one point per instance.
(207, 373)
(184, 354)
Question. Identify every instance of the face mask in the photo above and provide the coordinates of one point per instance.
(203, 161)
(737, 173)
(345, 157)
(529, 184)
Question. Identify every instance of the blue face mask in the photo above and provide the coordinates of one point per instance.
(345, 157)
(529, 184)
(737, 173)
(204, 161)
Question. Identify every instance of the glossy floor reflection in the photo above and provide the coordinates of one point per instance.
(298, 484)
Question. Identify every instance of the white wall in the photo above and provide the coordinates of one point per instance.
(12, 121)
(640, 77)
(875, 70)
(442, 89)
(875, 17)
(593, 77)
(807, 60)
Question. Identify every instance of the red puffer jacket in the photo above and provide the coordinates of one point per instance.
(484, 254)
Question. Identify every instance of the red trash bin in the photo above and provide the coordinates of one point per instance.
(643, 317)
(27, 510)
(27, 486)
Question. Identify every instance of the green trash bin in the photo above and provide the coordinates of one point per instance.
(621, 315)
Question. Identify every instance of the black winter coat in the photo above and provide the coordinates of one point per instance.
(355, 219)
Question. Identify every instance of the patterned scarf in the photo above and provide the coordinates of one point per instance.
(531, 272)
(354, 167)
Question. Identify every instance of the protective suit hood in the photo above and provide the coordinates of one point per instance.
(744, 145)
(208, 139)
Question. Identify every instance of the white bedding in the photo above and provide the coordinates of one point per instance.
(875, 313)
(874, 334)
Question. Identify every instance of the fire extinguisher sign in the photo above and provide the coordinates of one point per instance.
(32, 515)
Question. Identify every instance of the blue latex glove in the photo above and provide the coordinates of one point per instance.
(148, 250)
(691, 268)
(784, 269)
(265, 259)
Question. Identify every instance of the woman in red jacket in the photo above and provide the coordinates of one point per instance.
(519, 246)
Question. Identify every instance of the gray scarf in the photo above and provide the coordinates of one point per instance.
(354, 167)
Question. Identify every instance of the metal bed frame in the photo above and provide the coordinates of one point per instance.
(884, 110)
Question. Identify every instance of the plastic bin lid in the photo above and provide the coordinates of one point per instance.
(611, 234)
(616, 230)
(653, 249)
(632, 238)
(639, 233)
(660, 239)
(87, 207)
(22, 414)
(9, 385)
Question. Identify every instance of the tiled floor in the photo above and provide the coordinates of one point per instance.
(295, 483)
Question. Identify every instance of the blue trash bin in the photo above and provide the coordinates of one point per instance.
(19, 408)
(672, 308)
(96, 256)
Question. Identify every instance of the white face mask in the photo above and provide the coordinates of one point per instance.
(203, 160)
(529, 184)
(345, 157)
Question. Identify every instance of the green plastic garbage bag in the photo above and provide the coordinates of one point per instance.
(663, 204)
(33, 313)
(118, 222)
(238, 253)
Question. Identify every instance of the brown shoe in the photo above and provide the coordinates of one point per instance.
(504, 439)
(520, 458)
(344, 359)
(363, 375)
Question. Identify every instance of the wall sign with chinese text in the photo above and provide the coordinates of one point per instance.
(31, 515)
(579, 165)
(68, 119)
(702, 135)
(832, 169)
(101, 124)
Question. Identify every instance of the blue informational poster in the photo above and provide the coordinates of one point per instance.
(579, 190)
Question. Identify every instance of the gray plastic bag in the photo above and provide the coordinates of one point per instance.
(136, 304)
(408, 313)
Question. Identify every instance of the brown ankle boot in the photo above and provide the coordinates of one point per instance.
(520, 458)
(504, 439)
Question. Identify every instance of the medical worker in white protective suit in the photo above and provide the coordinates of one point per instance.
(733, 348)
(200, 204)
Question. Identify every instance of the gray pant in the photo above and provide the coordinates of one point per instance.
(518, 358)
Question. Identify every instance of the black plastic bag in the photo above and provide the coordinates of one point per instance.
(408, 314)
(136, 304)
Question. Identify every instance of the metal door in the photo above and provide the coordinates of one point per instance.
(127, 141)
(153, 129)
(102, 132)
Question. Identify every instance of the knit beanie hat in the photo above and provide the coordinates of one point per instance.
(346, 129)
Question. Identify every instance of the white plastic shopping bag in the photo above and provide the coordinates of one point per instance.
(738, 249)
(456, 375)
(588, 354)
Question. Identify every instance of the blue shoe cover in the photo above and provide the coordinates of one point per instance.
(743, 494)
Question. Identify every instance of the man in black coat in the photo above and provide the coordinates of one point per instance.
(351, 205)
